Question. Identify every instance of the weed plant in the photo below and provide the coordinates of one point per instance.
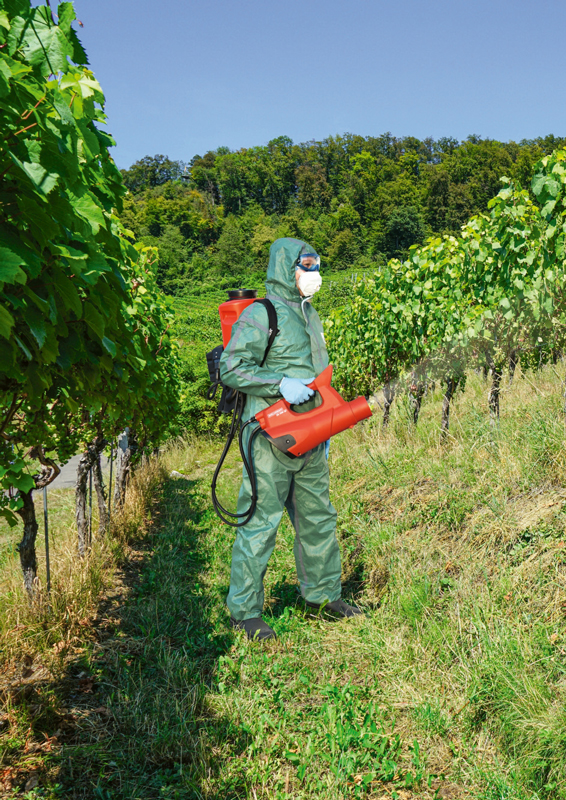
(452, 686)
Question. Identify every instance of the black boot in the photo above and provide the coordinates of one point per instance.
(255, 628)
(338, 608)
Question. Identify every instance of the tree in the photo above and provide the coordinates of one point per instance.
(448, 204)
(152, 171)
(231, 258)
(479, 166)
(313, 189)
(202, 171)
(403, 228)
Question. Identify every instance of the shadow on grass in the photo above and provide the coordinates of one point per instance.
(130, 713)
(283, 594)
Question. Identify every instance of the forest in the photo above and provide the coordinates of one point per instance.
(359, 201)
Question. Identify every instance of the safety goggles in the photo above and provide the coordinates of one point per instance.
(309, 262)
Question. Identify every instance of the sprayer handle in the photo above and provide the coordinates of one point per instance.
(323, 379)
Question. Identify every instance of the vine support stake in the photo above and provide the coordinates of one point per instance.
(46, 529)
(110, 483)
(90, 507)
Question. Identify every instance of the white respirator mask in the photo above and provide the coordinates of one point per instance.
(309, 283)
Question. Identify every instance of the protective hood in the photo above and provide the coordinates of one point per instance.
(283, 255)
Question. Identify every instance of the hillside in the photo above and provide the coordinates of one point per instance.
(452, 686)
(123, 679)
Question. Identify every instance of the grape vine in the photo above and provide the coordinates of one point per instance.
(84, 342)
(488, 298)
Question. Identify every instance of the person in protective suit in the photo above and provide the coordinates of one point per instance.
(298, 354)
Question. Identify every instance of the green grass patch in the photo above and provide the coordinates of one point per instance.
(451, 686)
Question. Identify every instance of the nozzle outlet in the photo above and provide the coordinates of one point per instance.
(360, 409)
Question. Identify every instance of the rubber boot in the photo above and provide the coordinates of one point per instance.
(256, 629)
(338, 608)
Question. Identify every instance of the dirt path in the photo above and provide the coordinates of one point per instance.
(68, 476)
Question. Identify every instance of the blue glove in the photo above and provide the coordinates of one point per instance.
(295, 391)
(327, 448)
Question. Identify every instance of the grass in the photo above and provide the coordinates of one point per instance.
(452, 686)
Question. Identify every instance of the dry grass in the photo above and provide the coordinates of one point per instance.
(42, 643)
(76, 585)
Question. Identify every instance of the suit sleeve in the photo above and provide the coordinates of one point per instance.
(241, 359)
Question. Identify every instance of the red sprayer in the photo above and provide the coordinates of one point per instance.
(229, 311)
(292, 432)
(295, 434)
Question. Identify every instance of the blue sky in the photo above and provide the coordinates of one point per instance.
(184, 77)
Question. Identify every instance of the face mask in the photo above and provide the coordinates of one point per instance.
(309, 283)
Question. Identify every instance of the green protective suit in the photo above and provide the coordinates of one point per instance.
(300, 485)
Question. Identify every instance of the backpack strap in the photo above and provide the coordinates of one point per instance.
(272, 321)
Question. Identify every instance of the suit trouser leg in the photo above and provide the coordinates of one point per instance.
(317, 554)
(255, 541)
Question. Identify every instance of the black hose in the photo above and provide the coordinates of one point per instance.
(248, 466)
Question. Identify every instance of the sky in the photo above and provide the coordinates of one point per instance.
(182, 77)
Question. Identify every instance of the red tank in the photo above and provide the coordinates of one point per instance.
(229, 311)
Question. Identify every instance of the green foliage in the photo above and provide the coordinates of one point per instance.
(197, 330)
(14, 477)
(231, 256)
(82, 322)
(358, 200)
(395, 319)
(151, 171)
(403, 229)
(57, 213)
(477, 300)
